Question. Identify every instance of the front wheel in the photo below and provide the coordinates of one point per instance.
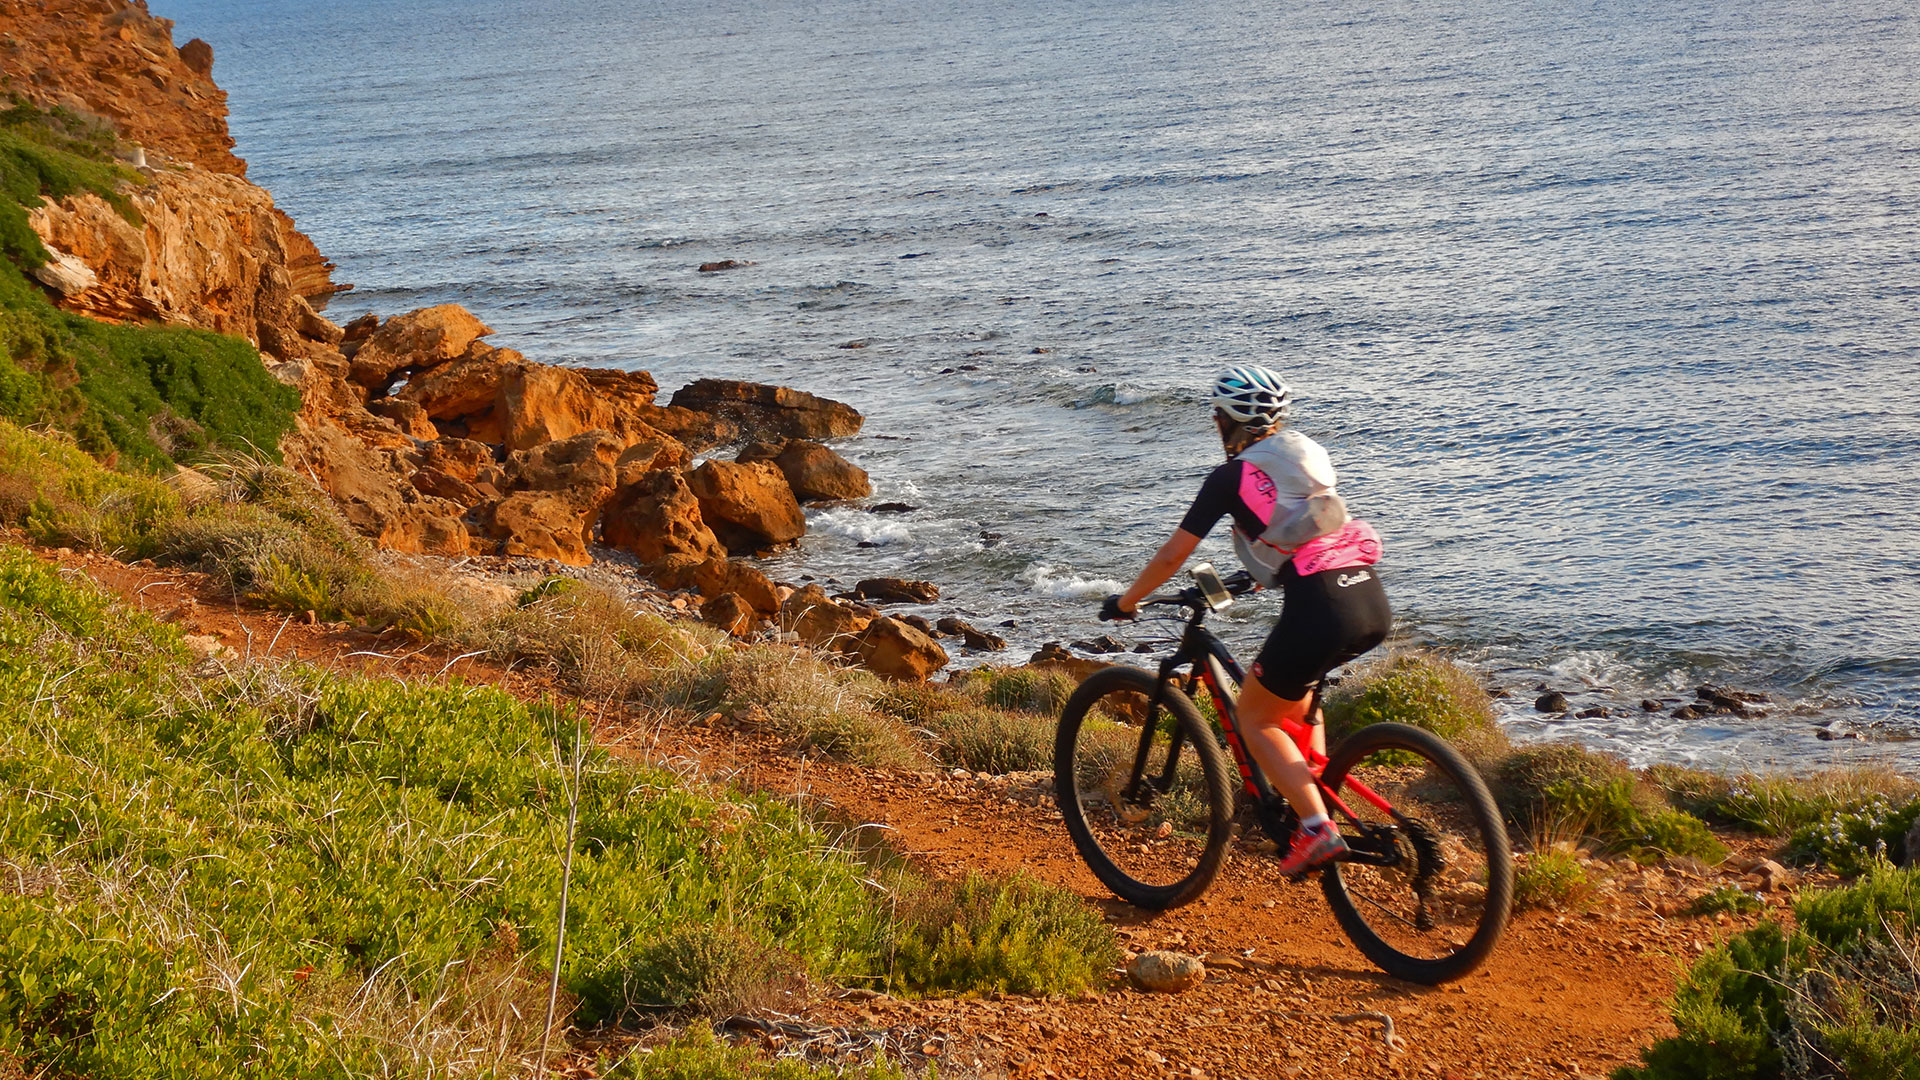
(1428, 886)
(1143, 787)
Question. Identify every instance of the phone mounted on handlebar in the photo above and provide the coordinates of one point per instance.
(1212, 589)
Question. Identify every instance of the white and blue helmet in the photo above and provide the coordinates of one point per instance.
(1252, 395)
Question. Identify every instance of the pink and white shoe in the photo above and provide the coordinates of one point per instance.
(1312, 849)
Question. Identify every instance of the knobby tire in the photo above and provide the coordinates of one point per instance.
(1449, 768)
(1197, 738)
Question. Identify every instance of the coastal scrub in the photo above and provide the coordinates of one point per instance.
(142, 397)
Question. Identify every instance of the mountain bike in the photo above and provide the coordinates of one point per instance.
(1141, 778)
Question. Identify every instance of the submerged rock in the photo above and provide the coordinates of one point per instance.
(1551, 702)
(971, 636)
(770, 410)
(893, 590)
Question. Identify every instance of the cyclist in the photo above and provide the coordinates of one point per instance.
(1292, 532)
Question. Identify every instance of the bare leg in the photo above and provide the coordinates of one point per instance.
(1261, 712)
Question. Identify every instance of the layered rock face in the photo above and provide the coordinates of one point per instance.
(115, 60)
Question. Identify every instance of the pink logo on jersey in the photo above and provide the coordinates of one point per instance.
(1354, 544)
(1258, 492)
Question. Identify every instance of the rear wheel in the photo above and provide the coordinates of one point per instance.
(1429, 885)
(1143, 787)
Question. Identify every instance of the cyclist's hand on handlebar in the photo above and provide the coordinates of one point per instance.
(1110, 610)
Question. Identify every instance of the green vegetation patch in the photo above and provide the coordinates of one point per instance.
(1837, 997)
(1549, 878)
(1564, 788)
(283, 872)
(236, 871)
(139, 396)
(1418, 688)
(1002, 934)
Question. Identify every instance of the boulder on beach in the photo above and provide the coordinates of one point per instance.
(459, 395)
(814, 471)
(819, 621)
(730, 612)
(749, 507)
(656, 516)
(760, 409)
(419, 340)
(559, 490)
(895, 650)
(717, 577)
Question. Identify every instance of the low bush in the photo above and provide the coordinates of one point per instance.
(596, 641)
(1421, 689)
(1853, 839)
(805, 698)
(1011, 934)
(988, 740)
(1566, 787)
(1549, 878)
(1028, 689)
(1837, 997)
(1780, 804)
(1727, 898)
(697, 1055)
(57, 494)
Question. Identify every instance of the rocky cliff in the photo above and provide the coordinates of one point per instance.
(430, 439)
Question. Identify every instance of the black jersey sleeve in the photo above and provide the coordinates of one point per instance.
(1218, 497)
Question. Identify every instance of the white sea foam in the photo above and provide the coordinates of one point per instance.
(1049, 581)
(859, 525)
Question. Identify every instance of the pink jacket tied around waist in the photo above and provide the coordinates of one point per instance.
(1353, 544)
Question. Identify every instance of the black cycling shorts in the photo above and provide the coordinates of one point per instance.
(1326, 620)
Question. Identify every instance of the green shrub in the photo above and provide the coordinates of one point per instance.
(596, 641)
(706, 971)
(1566, 787)
(1549, 878)
(801, 697)
(1421, 689)
(1780, 804)
(1839, 996)
(988, 740)
(1853, 839)
(58, 495)
(697, 1055)
(1727, 898)
(1012, 934)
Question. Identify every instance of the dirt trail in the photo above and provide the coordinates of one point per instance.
(1570, 993)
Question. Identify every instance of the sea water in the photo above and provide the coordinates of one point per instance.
(1605, 311)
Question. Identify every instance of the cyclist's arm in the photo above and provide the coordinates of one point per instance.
(1165, 563)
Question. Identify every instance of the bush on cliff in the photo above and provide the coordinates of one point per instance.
(276, 871)
(1837, 997)
(142, 396)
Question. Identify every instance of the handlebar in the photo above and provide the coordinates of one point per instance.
(1238, 583)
